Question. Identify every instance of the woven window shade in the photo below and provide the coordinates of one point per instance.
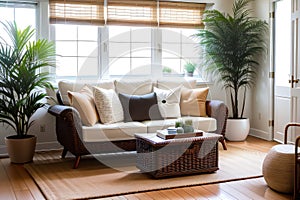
(181, 14)
(132, 12)
(77, 11)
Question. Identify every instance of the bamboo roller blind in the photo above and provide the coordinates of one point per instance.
(77, 11)
(133, 12)
(128, 12)
(180, 14)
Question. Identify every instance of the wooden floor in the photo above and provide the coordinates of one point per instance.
(15, 183)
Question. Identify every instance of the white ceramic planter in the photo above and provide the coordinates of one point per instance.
(237, 129)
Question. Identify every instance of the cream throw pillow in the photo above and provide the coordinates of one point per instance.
(108, 105)
(136, 87)
(168, 102)
(192, 102)
(83, 102)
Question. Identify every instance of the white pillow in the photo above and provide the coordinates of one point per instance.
(108, 105)
(168, 102)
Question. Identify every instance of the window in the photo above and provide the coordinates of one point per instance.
(129, 50)
(132, 38)
(15, 11)
(77, 50)
(178, 48)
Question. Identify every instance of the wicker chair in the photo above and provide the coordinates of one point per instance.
(297, 160)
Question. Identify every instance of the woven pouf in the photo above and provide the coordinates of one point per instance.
(278, 168)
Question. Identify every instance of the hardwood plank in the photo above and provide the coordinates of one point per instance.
(131, 197)
(182, 193)
(270, 194)
(170, 194)
(205, 193)
(142, 196)
(24, 195)
(6, 190)
(217, 191)
(234, 192)
(193, 193)
(12, 172)
(156, 195)
(245, 190)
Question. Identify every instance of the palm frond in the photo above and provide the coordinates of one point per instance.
(231, 45)
(22, 64)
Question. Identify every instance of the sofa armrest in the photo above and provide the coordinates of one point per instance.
(59, 110)
(69, 129)
(218, 110)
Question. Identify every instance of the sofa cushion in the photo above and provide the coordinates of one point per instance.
(192, 101)
(84, 103)
(201, 123)
(112, 132)
(140, 107)
(173, 83)
(168, 102)
(108, 105)
(65, 86)
(137, 87)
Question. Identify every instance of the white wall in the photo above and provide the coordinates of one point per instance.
(261, 98)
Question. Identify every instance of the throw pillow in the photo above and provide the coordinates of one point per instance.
(83, 102)
(167, 84)
(140, 107)
(136, 87)
(65, 86)
(168, 102)
(192, 101)
(108, 105)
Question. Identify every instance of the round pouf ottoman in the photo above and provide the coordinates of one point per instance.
(278, 168)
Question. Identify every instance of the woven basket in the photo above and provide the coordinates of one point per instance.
(278, 168)
(179, 157)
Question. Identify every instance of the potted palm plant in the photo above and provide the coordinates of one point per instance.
(21, 78)
(231, 45)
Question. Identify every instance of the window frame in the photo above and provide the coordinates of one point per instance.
(156, 58)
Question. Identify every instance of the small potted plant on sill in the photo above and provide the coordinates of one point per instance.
(190, 68)
(167, 70)
(22, 75)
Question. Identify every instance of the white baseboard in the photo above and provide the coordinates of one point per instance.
(260, 134)
(39, 147)
(47, 146)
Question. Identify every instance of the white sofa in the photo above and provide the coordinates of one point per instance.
(118, 135)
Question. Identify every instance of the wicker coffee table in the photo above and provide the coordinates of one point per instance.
(175, 157)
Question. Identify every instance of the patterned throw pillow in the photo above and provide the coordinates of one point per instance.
(192, 102)
(140, 107)
(83, 102)
(108, 105)
(168, 102)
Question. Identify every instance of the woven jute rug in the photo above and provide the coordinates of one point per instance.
(57, 180)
